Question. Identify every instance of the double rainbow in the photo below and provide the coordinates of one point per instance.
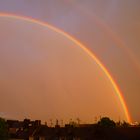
(84, 48)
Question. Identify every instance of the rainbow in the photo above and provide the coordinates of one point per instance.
(84, 48)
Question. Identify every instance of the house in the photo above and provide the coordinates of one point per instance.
(42, 132)
(21, 130)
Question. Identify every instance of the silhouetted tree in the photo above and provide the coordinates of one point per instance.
(125, 124)
(3, 130)
(106, 122)
(26, 124)
(118, 124)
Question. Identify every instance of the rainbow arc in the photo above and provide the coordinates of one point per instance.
(84, 48)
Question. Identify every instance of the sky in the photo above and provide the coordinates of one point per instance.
(110, 29)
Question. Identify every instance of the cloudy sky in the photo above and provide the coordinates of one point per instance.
(110, 29)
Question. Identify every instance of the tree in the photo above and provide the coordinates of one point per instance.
(125, 124)
(106, 122)
(3, 130)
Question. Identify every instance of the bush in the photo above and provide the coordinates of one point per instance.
(106, 122)
(3, 130)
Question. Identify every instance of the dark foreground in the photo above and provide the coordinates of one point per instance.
(33, 130)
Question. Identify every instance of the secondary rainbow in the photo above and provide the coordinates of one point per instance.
(84, 48)
(112, 34)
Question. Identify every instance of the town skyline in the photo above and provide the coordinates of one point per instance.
(70, 59)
